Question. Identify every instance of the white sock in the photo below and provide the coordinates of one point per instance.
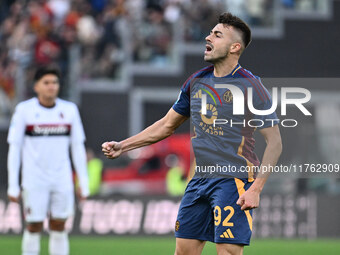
(30, 243)
(58, 243)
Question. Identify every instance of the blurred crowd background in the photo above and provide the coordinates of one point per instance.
(44, 32)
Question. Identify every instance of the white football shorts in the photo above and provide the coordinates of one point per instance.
(39, 203)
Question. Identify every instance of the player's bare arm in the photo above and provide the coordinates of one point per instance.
(251, 198)
(154, 133)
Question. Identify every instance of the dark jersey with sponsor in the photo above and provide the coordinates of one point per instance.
(223, 141)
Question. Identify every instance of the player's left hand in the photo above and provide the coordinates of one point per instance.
(14, 199)
(249, 200)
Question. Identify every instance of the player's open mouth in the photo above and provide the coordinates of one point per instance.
(208, 48)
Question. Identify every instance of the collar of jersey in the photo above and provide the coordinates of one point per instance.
(233, 72)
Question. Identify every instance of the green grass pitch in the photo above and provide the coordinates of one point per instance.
(10, 245)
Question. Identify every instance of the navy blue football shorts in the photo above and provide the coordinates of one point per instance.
(209, 212)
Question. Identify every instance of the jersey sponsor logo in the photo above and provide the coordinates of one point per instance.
(48, 130)
(208, 120)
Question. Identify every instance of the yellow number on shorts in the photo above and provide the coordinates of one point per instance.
(226, 222)
(217, 215)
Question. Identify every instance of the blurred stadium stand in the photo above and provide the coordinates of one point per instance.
(124, 63)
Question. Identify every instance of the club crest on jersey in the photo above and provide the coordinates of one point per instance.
(228, 97)
(27, 211)
(177, 226)
(61, 115)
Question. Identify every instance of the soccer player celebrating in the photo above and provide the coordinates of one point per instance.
(42, 131)
(217, 206)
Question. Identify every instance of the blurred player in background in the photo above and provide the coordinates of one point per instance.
(217, 208)
(42, 131)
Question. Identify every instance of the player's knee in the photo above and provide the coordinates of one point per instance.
(229, 249)
(182, 251)
(189, 247)
(34, 227)
(57, 225)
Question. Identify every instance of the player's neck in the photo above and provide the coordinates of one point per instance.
(47, 102)
(224, 68)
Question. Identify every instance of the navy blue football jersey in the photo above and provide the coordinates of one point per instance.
(223, 142)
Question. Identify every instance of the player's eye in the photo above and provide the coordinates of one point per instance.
(218, 35)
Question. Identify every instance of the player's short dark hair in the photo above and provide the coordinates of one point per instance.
(228, 19)
(42, 71)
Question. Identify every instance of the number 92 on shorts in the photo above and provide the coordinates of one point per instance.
(209, 212)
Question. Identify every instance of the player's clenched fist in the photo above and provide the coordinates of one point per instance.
(112, 149)
(249, 200)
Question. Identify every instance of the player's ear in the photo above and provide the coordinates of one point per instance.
(35, 87)
(236, 48)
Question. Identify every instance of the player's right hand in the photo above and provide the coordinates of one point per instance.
(14, 199)
(80, 195)
(112, 149)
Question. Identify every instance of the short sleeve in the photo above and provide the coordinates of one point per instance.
(77, 130)
(182, 105)
(17, 127)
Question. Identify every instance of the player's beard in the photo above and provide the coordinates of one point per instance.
(219, 58)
